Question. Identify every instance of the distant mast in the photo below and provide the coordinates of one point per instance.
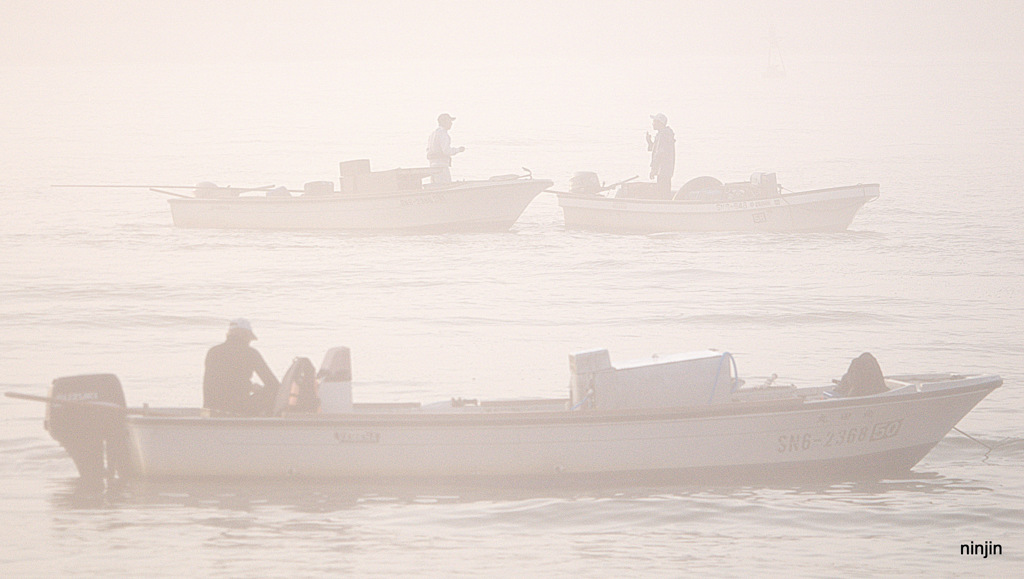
(776, 68)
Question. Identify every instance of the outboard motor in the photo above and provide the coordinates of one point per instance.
(318, 188)
(210, 190)
(90, 424)
(585, 182)
(767, 183)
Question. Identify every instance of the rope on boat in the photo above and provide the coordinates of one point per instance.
(591, 384)
(783, 196)
(590, 392)
(974, 439)
(735, 375)
(990, 448)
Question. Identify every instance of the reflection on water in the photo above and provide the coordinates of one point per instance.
(314, 528)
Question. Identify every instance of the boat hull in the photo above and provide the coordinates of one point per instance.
(823, 210)
(867, 436)
(470, 206)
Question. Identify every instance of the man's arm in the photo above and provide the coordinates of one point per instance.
(263, 371)
(211, 394)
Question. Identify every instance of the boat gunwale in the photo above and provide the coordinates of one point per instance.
(694, 202)
(340, 196)
(986, 383)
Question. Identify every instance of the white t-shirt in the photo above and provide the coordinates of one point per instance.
(439, 148)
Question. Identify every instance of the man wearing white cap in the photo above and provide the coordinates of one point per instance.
(227, 380)
(663, 154)
(440, 151)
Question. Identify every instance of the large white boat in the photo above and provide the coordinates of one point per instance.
(707, 204)
(683, 418)
(394, 201)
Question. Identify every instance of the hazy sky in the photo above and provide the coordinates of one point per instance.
(69, 31)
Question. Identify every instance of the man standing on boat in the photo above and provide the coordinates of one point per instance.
(227, 380)
(663, 154)
(440, 151)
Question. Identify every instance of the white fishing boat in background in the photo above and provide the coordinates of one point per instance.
(707, 204)
(394, 201)
(684, 417)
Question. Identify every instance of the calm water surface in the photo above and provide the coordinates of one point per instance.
(97, 280)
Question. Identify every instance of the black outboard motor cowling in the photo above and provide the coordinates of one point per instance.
(90, 425)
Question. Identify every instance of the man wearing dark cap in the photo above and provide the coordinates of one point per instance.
(227, 380)
(440, 151)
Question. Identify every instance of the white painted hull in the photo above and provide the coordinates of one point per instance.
(468, 206)
(822, 210)
(866, 436)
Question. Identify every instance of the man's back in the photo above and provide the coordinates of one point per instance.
(227, 379)
(439, 146)
(665, 143)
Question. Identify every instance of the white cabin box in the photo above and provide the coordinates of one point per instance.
(691, 379)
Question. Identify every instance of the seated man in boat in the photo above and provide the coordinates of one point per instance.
(227, 380)
(663, 155)
(440, 151)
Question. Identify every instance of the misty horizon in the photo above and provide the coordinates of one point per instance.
(68, 33)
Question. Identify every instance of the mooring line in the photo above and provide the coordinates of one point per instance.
(974, 439)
